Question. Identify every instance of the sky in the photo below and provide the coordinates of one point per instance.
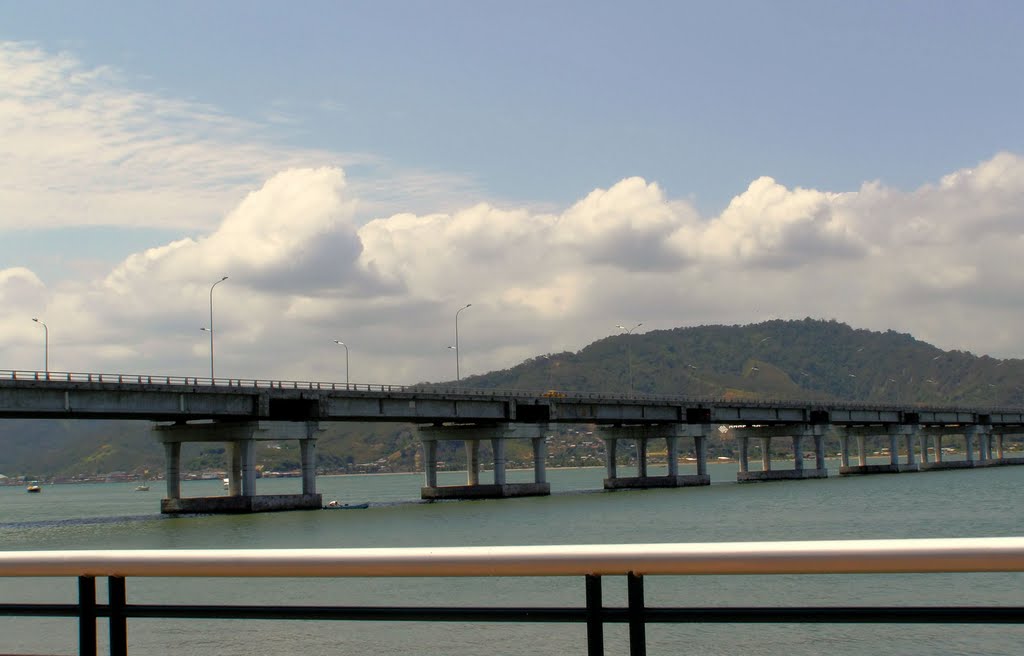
(362, 170)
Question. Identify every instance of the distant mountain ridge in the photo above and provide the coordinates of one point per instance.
(806, 359)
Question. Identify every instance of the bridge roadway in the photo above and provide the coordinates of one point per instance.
(235, 411)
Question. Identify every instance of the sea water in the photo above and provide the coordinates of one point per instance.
(958, 503)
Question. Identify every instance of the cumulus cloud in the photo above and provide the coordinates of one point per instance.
(303, 273)
(294, 233)
(307, 265)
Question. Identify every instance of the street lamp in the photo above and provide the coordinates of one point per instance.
(458, 373)
(46, 346)
(341, 343)
(210, 329)
(629, 354)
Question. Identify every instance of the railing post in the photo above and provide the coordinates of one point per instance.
(595, 619)
(117, 596)
(637, 619)
(86, 616)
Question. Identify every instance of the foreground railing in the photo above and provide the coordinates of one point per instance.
(589, 561)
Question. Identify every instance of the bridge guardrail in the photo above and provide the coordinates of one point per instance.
(257, 383)
(590, 561)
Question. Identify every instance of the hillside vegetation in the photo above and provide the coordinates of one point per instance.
(808, 359)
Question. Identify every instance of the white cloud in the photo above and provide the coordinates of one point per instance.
(303, 274)
(78, 147)
(305, 268)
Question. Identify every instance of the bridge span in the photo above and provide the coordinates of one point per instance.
(239, 411)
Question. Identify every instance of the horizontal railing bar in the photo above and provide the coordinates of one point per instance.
(837, 614)
(652, 615)
(743, 558)
(358, 613)
(39, 610)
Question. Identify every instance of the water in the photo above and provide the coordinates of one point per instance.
(975, 503)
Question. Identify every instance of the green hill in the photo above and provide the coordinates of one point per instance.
(808, 359)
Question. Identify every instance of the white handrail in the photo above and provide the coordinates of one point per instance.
(806, 557)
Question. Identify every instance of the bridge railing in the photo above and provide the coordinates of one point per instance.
(151, 379)
(431, 388)
(590, 561)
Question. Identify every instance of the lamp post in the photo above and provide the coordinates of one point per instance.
(46, 346)
(629, 353)
(210, 329)
(458, 373)
(341, 343)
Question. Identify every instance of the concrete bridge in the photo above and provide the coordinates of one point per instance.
(239, 412)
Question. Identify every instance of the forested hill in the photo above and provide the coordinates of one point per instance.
(811, 359)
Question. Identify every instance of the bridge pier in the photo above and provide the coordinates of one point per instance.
(1001, 459)
(241, 438)
(797, 433)
(471, 434)
(910, 434)
(640, 434)
(970, 432)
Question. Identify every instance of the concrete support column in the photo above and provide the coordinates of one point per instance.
(969, 433)
(894, 449)
(641, 457)
(819, 451)
(924, 448)
(911, 438)
(744, 454)
(700, 445)
(172, 466)
(766, 456)
(986, 444)
(540, 454)
(999, 446)
(938, 448)
(472, 462)
(844, 448)
(430, 463)
(610, 444)
(498, 446)
(862, 450)
(235, 473)
(307, 454)
(672, 451)
(248, 468)
(798, 452)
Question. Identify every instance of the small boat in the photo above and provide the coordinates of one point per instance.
(227, 483)
(335, 505)
(34, 487)
(142, 488)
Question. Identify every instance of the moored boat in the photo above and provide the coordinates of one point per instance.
(336, 505)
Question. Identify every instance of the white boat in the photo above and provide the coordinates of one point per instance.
(33, 487)
(142, 488)
(227, 483)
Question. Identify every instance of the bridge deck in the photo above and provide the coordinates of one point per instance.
(166, 398)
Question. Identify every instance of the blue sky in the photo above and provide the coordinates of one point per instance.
(432, 109)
